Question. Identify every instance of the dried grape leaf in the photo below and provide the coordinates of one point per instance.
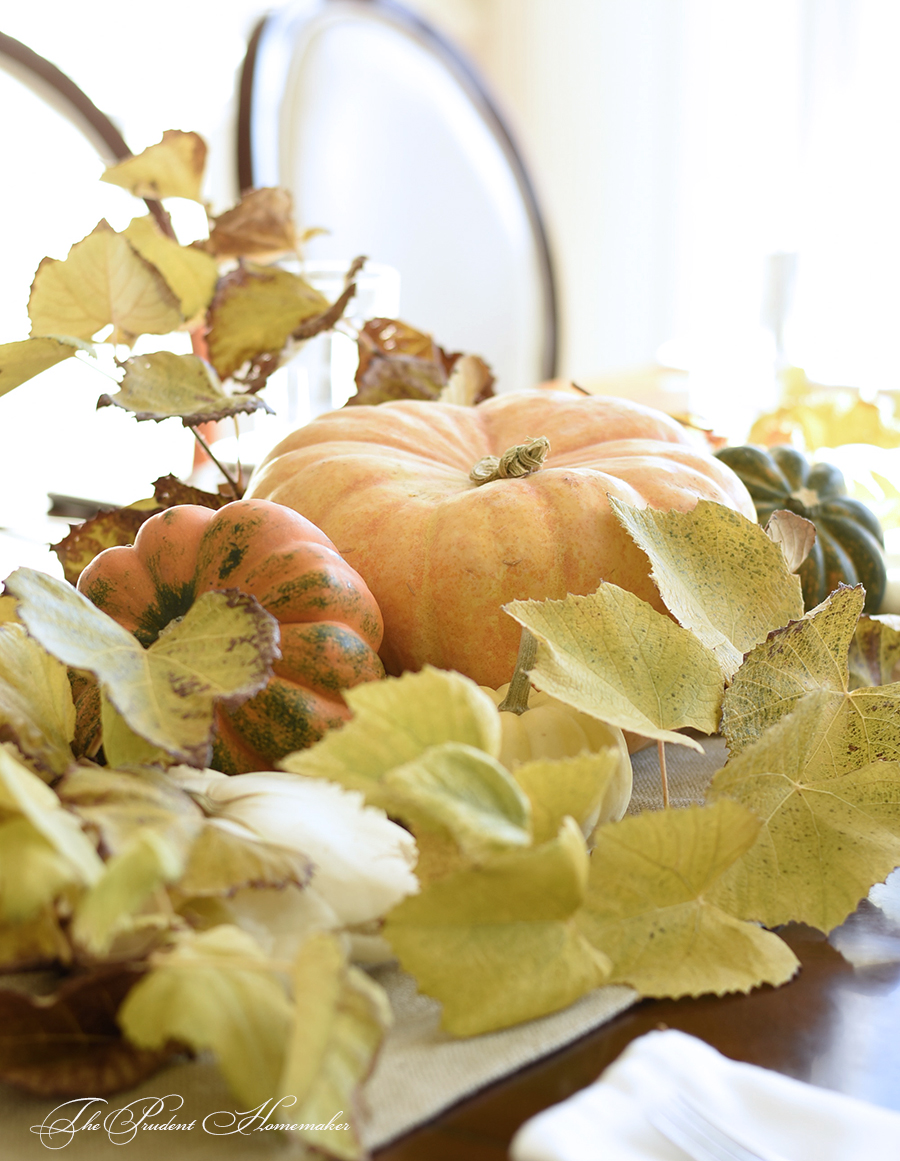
(807, 655)
(8, 605)
(68, 1044)
(255, 311)
(172, 168)
(793, 534)
(37, 712)
(718, 573)
(611, 655)
(260, 226)
(169, 491)
(150, 859)
(826, 418)
(190, 273)
(105, 530)
(222, 650)
(33, 873)
(341, 1018)
(394, 722)
(226, 857)
(163, 385)
(831, 828)
(649, 908)
(215, 990)
(874, 657)
(122, 746)
(103, 280)
(471, 382)
(23, 794)
(37, 943)
(21, 361)
(497, 944)
(398, 362)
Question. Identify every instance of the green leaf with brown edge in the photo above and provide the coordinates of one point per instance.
(808, 655)
(260, 226)
(37, 712)
(718, 573)
(341, 1018)
(215, 990)
(103, 280)
(396, 361)
(254, 312)
(497, 944)
(105, 530)
(650, 908)
(21, 361)
(831, 826)
(172, 168)
(610, 655)
(165, 386)
(190, 273)
(221, 651)
(874, 657)
(67, 1043)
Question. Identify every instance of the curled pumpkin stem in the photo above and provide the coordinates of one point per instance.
(520, 460)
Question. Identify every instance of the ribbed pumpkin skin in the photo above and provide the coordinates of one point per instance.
(849, 540)
(390, 485)
(331, 627)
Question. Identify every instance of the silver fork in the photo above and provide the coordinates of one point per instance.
(682, 1123)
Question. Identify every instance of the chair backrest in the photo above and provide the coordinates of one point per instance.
(387, 139)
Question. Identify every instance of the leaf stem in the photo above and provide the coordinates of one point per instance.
(664, 777)
(516, 700)
(232, 482)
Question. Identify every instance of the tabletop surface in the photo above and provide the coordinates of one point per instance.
(836, 1024)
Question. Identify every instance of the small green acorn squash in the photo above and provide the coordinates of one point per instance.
(849, 541)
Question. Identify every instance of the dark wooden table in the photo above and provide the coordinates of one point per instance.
(834, 1025)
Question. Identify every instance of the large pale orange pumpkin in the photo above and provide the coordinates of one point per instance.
(330, 624)
(390, 485)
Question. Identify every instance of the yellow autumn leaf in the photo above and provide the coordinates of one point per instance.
(226, 857)
(826, 418)
(23, 360)
(649, 905)
(151, 859)
(578, 787)
(341, 1018)
(831, 827)
(33, 873)
(216, 990)
(609, 654)
(254, 311)
(172, 168)
(103, 280)
(811, 655)
(38, 941)
(497, 944)
(23, 794)
(163, 385)
(189, 272)
(394, 722)
(8, 614)
(221, 650)
(718, 573)
(36, 707)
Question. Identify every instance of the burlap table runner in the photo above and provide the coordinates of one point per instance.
(420, 1070)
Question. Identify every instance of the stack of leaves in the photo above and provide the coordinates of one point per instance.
(218, 913)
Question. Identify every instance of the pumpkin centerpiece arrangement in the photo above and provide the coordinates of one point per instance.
(449, 512)
(849, 540)
(330, 624)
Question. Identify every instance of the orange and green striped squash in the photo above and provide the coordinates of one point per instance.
(331, 627)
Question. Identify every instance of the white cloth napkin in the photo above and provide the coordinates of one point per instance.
(764, 1110)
